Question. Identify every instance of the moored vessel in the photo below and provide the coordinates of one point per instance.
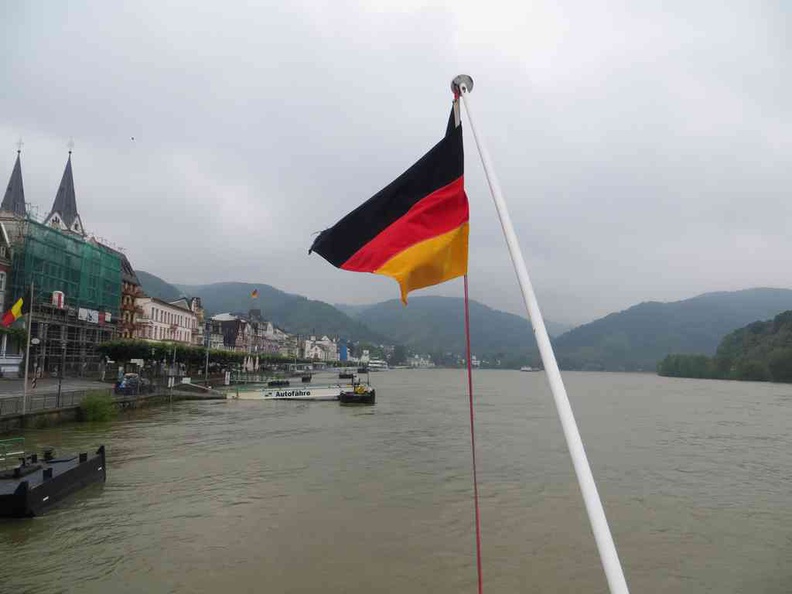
(37, 484)
(360, 394)
(289, 393)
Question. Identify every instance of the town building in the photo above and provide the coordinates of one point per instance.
(12, 208)
(196, 306)
(14, 198)
(162, 320)
(193, 304)
(64, 215)
(320, 349)
(250, 334)
(420, 362)
(232, 329)
(131, 290)
(75, 283)
(215, 330)
(5, 267)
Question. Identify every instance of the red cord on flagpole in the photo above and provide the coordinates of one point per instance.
(473, 438)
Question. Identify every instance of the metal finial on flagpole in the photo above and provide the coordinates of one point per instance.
(19, 145)
(599, 524)
(459, 81)
(70, 145)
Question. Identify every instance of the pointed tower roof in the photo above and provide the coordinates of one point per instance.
(14, 199)
(64, 210)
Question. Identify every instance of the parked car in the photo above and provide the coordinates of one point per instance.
(132, 384)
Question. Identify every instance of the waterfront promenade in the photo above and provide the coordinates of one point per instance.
(10, 388)
(47, 405)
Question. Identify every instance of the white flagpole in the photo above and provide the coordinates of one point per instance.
(462, 85)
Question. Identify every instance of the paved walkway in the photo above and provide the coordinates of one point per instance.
(13, 387)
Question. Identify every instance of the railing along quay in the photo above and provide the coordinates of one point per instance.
(12, 405)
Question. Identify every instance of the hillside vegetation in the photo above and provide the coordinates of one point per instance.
(637, 338)
(761, 351)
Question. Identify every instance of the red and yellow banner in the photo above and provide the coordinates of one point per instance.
(13, 314)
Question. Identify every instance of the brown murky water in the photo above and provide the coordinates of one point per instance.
(242, 496)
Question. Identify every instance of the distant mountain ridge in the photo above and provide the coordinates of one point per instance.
(637, 338)
(428, 324)
(437, 324)
(631, 340)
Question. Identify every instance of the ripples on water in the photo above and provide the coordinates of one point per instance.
(304, 497)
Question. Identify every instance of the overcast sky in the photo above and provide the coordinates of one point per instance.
(643, 147)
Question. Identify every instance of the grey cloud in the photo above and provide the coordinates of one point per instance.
(643, 149)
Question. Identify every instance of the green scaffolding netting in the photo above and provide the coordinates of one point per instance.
(88, 274)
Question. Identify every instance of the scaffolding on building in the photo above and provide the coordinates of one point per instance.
(88, 275)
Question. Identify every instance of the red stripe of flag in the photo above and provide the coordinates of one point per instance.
(439, 212)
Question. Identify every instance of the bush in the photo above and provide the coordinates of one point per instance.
(97, 406)
(696, 366)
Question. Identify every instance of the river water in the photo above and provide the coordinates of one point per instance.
(245, 496)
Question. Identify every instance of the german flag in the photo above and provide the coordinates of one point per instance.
(13, 314)
(415, 230)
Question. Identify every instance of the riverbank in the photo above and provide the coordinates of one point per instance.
(50, 409)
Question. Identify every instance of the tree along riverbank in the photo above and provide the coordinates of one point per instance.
(761, 351)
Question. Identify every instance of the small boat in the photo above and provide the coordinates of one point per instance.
(36, 485)
(529, 368)
(363, 369)
(278, 383)
(358, 395)
(346, 375)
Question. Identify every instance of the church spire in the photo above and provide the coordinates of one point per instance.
(14, 199)
(64, 214)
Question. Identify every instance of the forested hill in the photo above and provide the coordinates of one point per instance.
(637, 338)
(293, 313)
(761, 351)
(154, 286)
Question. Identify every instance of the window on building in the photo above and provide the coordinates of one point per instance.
(2, 281)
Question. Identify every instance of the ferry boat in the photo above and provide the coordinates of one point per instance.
(377, 365)
(296, 393)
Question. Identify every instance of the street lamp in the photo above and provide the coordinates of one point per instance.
(153, 367)
(35, 342)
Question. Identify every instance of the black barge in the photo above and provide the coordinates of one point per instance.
(37, 484)
(359, 395)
